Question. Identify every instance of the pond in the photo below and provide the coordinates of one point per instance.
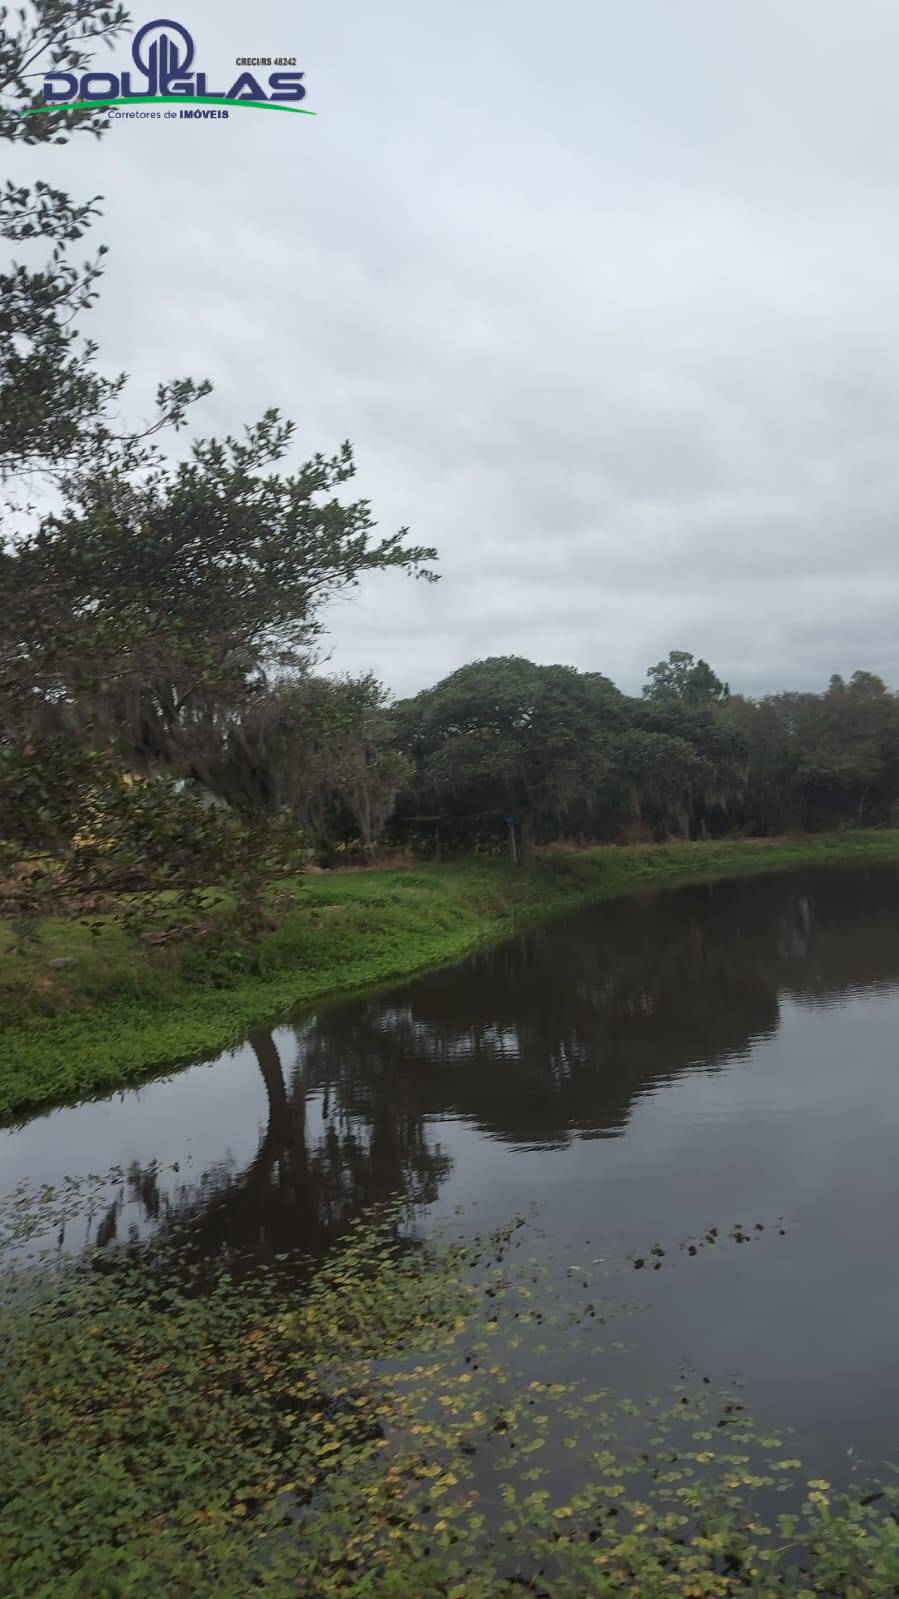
(644, 1072)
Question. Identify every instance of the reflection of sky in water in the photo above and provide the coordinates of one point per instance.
(201, 1118)
(642, 1072)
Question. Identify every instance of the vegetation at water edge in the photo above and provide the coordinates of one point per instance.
(86, 1011)
(392, 1424)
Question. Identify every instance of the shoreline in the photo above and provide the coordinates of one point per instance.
(343, 932)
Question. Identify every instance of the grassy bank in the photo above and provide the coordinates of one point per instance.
(86, 1010)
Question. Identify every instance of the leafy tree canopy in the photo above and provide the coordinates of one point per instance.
(683, 679)
(513, 734)
(149, 605)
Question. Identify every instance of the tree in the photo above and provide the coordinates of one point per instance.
(146, 614)
(662, 774)
(56, 409)
(321, 749)
(152, 607)
(815, 759)
(565, 751)
(683, 679)
(714, 774)
(504, 735)
(143, 623)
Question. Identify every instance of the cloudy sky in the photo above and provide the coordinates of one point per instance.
(606, 297)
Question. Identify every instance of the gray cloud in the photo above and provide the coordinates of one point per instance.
(605, 297)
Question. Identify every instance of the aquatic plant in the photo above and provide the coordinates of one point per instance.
(398, 1422)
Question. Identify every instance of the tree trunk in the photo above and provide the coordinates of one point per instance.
(265, 1049)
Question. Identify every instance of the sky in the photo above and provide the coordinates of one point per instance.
(606, 297)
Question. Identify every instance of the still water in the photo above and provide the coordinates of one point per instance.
(644, 1071)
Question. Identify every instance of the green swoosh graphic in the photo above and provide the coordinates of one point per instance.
(168, 99)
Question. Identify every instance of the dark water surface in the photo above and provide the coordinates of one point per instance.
(644, 1071)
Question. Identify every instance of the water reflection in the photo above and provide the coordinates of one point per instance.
(556, 1033)
(548, 1040)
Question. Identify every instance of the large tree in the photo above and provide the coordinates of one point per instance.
(506, 735)
(148, 605)
(152, 606)
(565, 752)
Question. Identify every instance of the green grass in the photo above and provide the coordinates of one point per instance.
(116, 1012)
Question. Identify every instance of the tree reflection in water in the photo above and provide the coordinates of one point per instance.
(549, 1037)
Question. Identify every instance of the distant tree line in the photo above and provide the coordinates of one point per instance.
(562, 753)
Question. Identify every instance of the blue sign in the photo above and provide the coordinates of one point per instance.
(163, 54)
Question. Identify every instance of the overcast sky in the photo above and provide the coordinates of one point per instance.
(606, 296)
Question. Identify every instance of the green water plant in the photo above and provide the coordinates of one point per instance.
(392, 1422)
